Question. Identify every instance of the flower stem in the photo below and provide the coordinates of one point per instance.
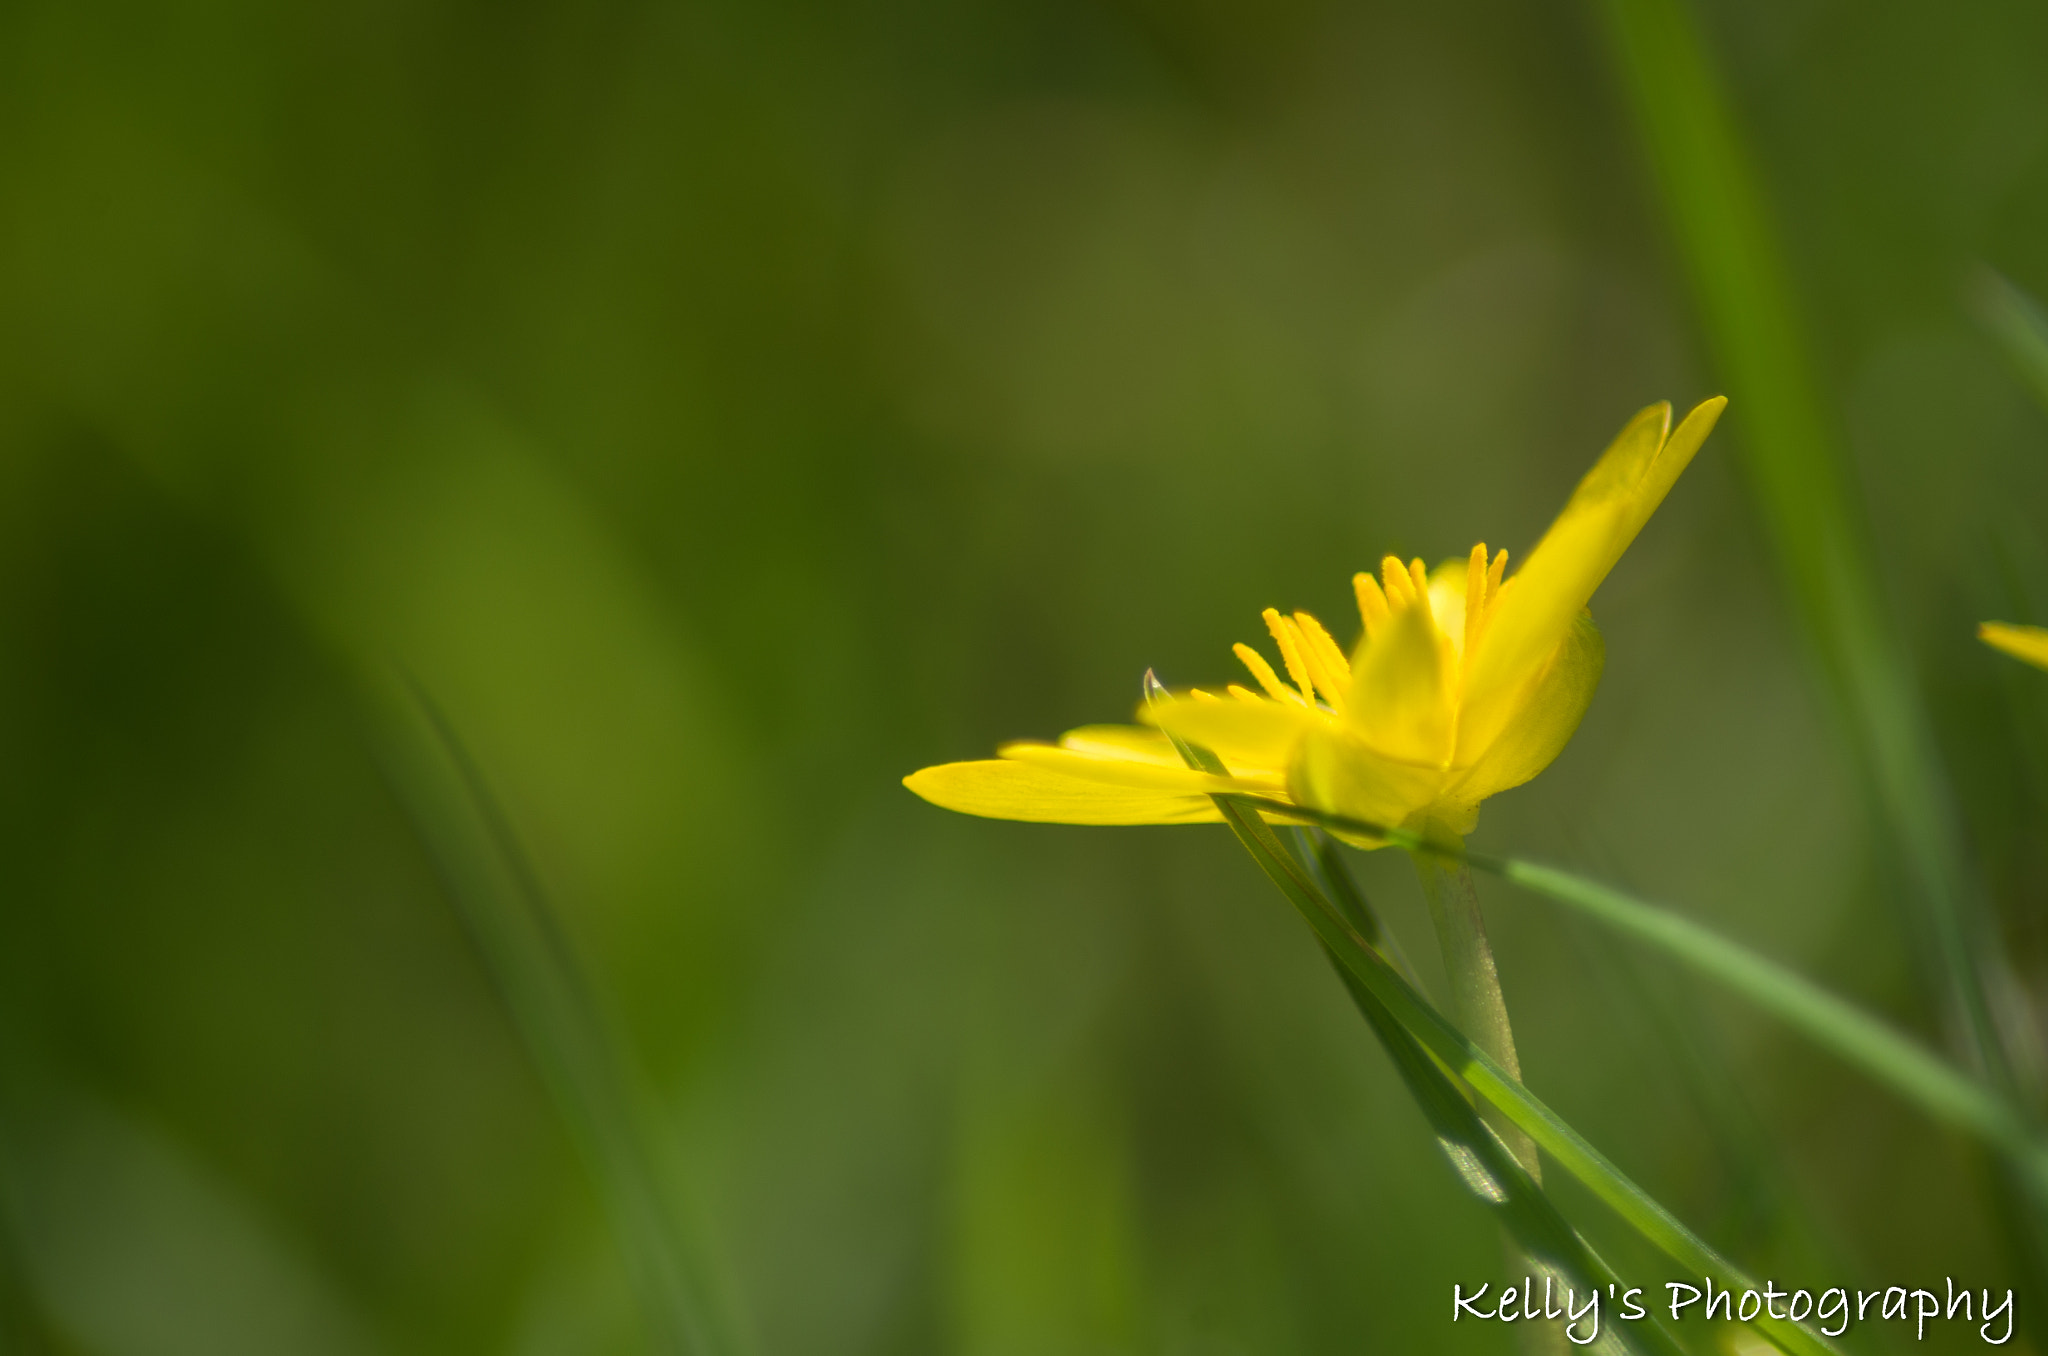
(1482, 1012)
(1476, 1001)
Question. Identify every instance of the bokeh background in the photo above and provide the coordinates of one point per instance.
(722, 409)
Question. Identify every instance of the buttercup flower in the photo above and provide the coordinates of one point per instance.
(1466, 681)
(2029, 643)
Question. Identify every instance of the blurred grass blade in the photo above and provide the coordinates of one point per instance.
(1895, 1060)
(1764, 1208)
(1795, 467)
(566, 1029)
(2017, 321)
(130, 1244)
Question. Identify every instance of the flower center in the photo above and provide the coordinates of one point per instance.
(1459, 609)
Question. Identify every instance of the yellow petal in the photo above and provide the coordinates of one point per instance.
(1140, 776)
(1400, 700)
(2021, 642)
(1543, 720)
(1002, 788)
(1335, 770)
(1448, 596)
(1250, 737)
(1537, 606)
(1132, 742)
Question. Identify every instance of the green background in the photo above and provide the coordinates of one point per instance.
(723, 409)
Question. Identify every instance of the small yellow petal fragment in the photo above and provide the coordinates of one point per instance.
(1372, 604)
(1494, 573)
(2029, 643)
(1244, 694)
(1418, 575)
(1263, 671)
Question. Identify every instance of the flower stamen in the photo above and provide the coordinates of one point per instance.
(1372, 604)
(1263, 671)
(1475, 598)
(1326, 662)
(1394, 578)
(1288, 638)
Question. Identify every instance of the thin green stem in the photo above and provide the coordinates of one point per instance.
(1462, 1057)
(1482, 1011)
(1477, 1003)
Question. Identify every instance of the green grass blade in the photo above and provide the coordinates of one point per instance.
(1764, 1208)
(1795, 466)
(1890, 1057)
(1449, 1047)
(2017, 321)
(1485, 1164)
(1324, 854)
(1489, 1169)
(573, 1042)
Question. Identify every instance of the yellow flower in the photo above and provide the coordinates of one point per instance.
(1465, 682)
(2021, 642)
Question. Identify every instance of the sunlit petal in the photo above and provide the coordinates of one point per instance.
(1538, 604)
(1545, 715)
(1447, 599)
(1133, 743)
(1249, 737)
(1003, 788)
(1400, 702)
(1336, 770)
(1129, 772)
